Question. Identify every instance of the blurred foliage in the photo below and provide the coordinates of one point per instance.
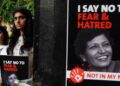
(7, 7)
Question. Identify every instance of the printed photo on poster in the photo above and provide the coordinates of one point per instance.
(93, 43)
(14, 71)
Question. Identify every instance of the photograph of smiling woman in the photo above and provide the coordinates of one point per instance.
(94, 49)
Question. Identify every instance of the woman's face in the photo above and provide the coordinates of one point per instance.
(11, 79)
(99, 51)
(19, 21)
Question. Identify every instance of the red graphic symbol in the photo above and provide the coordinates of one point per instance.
(77, 75)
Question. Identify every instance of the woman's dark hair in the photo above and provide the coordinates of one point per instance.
(83, 36)
(5, 34)
(28, 32)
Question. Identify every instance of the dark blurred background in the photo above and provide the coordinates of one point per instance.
(50, 42)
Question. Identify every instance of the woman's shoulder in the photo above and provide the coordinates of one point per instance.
(29, 51)
(115, 66)
(3, 49)
(116, 62)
